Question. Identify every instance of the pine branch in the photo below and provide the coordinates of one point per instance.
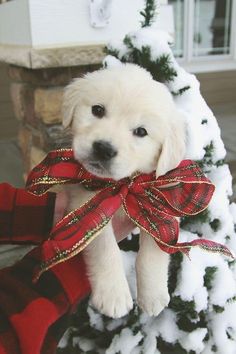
(111, 51)
(202, 217)
(180, 91)
(149, 13)
(207, 159)
(160, 68)
(183, 307)
(215, 224)
(174, 266)
(165, 347)
(209, 277)
(218, 309)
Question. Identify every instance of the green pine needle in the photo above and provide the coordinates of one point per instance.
(209, 276)
(202, 217)
(160, 68)
(218, 309)
(215, 224)
(180, 91)
(148, 13)
(111, 51)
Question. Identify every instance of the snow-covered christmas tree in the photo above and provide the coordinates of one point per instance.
(201, 316)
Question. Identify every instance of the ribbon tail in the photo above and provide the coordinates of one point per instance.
(212, 246)
(77, 229)
(165, 229)
(204, 244)
(54, 252)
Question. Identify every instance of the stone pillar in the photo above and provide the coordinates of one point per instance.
(37, 97)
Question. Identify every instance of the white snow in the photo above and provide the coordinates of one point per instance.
(125, 342)
(194, 341)
(64, 340)
(111, 62)
(221, 323)
(224, 286)
(114, 323)
(200, 297)
(232, 209)
(157, 40)
(166, 326)
(95, 319)
(150, 344)
(83, 343)
(191, 280)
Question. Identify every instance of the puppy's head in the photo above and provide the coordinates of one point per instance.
(123, 122)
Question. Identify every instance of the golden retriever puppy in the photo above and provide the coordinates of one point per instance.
(123, 122)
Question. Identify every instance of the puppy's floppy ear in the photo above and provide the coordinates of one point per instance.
(173, 148)
(71, 99)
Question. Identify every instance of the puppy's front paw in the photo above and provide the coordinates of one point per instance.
(112, 298)
(153, 302)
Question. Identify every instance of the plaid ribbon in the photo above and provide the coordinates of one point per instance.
(151, 203)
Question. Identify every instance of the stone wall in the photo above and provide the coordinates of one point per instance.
(8, 125)
(37, 98)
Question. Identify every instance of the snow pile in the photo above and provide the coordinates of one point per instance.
(194, 341)
(125, 342)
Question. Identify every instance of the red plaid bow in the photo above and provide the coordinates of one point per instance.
(151, 203)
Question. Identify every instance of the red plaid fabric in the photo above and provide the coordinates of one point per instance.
(34, 316)
(24, 218)
(151, 203)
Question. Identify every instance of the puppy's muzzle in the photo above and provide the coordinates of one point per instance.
(103, 150)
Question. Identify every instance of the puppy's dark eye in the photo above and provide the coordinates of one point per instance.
(140, 131)
(98, 110)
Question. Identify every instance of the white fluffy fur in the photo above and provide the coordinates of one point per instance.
(131, 99)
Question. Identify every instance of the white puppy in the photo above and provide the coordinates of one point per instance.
(123, 122)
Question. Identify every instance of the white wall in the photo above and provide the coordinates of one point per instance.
(41, 23)
(15, 23)
(67, 22)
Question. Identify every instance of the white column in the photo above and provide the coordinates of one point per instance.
(233, 31)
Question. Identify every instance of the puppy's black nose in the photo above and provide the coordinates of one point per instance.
(103, 150)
